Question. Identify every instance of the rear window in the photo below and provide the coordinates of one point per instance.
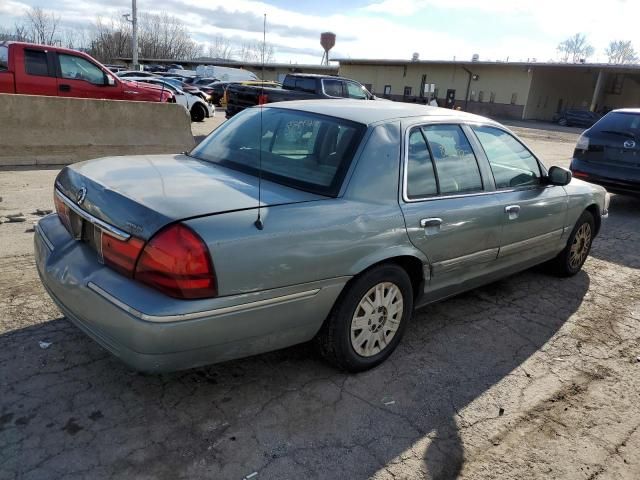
(623, 122)
(4, 57)
(299, 149)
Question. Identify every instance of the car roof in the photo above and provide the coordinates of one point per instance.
(627, 110)
(375, 111)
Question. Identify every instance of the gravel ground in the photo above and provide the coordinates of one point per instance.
(532, 377)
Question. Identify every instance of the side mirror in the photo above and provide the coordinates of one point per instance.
(110, 81)
(559, 176)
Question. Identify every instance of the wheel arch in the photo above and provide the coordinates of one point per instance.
(594, 210)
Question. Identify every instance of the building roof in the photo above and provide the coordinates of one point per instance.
(400, 63)
(374, 111)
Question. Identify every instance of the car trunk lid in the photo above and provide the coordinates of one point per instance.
(141, 194)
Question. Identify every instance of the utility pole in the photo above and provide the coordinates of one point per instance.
(134, 34)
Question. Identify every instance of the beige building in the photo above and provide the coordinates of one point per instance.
(509, 90)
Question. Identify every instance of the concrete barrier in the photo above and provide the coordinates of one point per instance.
(37, 130)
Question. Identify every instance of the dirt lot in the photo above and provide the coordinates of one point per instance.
(532, 377)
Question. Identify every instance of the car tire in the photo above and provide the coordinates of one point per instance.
(569, 262)
(563, 122)
(198, 113)
(355, 339)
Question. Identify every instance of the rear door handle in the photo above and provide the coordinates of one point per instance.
(431, 225)
(64, 87)
(513, 211)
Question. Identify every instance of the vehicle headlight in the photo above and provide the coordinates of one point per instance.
(583, 143)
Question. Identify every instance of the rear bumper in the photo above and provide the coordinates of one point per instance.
(162, 334)
(621, 180)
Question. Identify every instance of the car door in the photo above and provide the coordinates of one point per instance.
(38, 77)
(78, 77)
(533, 212)
(449, 211)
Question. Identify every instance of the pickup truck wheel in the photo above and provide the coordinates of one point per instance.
(198, 113)
(368, 320)
(570, 260)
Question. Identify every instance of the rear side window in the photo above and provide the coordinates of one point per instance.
(421, 177)
(35, 62)
(306, 84)
(333, 88)
(455, 162)
(511, 163)
(4, 57)
(78, 68)
(298, 149)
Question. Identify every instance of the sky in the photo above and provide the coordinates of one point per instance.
(393, 29)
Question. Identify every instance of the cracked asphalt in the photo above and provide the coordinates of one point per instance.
(532, 377)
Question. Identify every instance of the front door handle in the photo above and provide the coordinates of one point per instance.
(431, 225)
(513, 211)
(64, 87)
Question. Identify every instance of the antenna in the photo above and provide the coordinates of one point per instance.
(258, 223)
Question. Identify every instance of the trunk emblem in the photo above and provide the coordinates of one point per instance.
(629, 144)
(81, 195)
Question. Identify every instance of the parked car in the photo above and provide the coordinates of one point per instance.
(179, 82)
(198, 109)
(296, 86)
(608, 153)
(135, 73)
(217, 91)
(32, 69)
(577, 118)
(303, 220)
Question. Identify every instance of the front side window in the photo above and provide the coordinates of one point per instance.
(455, 162)
(356, 91)
(333, 88)
(4, 57)
(35, 62)
(77, 68)
(421, 177)
(298, 149)
(511, 163)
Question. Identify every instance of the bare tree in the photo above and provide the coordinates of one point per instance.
(575, 48)
(221, 48)
(41, 25)
(253, 52)
(621, 51)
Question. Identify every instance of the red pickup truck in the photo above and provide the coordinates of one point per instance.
(32, 69)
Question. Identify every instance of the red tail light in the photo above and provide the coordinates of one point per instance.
(263, 98)
(176, 261)
(121, 255)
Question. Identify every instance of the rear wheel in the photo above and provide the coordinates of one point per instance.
(570, 260)
(368, 320)
(198, 113)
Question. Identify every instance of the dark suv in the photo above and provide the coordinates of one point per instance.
(608, 153)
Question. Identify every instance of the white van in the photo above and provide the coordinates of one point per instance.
(225, 74)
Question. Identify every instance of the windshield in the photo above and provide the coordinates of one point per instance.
(4, 57)
(622, 122)
(299, 149)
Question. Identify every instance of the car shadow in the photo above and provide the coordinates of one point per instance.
(68, 406)
(619, 241)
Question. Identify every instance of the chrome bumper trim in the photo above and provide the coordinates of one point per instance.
(104, 226)
(207, 313)
(44, 237)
